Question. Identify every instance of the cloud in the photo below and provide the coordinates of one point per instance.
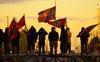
(1, 20)
(12, 1)
(30, 17)
(76, 18)
(80, 19)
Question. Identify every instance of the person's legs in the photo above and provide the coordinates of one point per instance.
(51, 47)
(55, 46)
(86, 48)
(13, 47)
(61, 47)
(33, 47)
(17, 46)
(68, 47)
(39, 47)
(43, 49)
(5, 48)
(29, 47)
(82, 46)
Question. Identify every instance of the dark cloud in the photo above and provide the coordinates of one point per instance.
(12, 1)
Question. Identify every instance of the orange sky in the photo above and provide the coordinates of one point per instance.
(79, 13)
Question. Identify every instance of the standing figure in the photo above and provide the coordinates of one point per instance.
(1, 40)
(15, 41)
(32, 38)
(68, 39)
(42, 34)
(63, 39)
(6, 41)
(53, 38)
(84, 40)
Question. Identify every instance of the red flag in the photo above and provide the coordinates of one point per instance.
(88, 29)
(13, 23)
(21, 23)
(58, 23)
(18, 26)
(14, 34)
(46, 15)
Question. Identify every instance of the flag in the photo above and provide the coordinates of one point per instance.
(87, 30)
(46, 15)
(18, 26)
(13, 23)
(58, 23)
(25, 32)
(94, 46)
(14, 34)
(21, 23)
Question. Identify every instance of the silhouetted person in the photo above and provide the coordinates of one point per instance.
(1, 40)
(32, 38)
(15, 41)
(69, 39)
(84, 40)
(6, 41)
(53, 38)
(63, 39)
(42, 34)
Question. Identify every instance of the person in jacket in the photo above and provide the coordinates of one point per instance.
(63, 39)
(1, 40)
(15, 41)
(69, 39)
(32, 38)
(6, 41)
(53, 38)
(84, 40)
(42, 34)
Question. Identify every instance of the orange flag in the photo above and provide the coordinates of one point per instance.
(13, 23)
(18, 26)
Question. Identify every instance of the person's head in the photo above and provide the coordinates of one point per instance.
(41, 29)
(82, 28)
(32, 27)
(53, 28)
(67, 28)
(6, 30)
(62, 27)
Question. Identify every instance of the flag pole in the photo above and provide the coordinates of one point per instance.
(55, 10)
(25, 22)
(66, 22)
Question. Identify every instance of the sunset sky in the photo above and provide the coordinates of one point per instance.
(79, 13)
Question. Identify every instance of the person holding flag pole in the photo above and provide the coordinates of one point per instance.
(15, 35)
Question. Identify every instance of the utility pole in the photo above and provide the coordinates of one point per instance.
(7, 21)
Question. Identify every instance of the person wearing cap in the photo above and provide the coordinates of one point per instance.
(63, 39)
(53, 38)
(69, 39)
(41, 34)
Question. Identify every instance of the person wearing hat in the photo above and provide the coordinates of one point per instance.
(53, 38)
(69, 39)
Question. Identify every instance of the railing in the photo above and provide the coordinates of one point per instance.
(56, 58)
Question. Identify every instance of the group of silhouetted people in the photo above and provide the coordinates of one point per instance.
(53, 37)
(32, 36)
